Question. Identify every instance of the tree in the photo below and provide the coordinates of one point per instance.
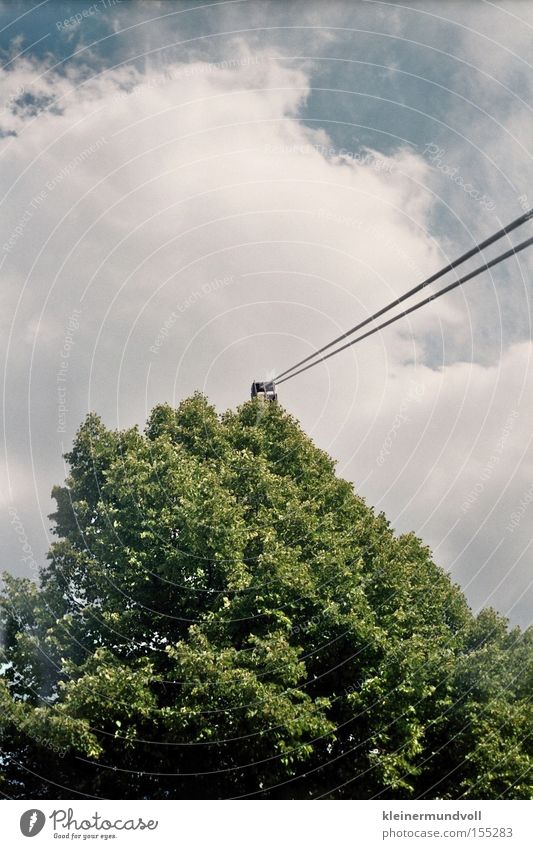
(221, 616)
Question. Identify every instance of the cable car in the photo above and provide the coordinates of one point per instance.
(264, 390)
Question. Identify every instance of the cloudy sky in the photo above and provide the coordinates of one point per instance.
(195, 195)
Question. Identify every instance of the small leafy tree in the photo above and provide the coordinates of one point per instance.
(222, 616)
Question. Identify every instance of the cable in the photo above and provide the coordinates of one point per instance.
(472, 252)
(433, 297)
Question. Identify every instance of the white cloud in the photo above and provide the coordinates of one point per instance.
(198, 202)
(449, 455)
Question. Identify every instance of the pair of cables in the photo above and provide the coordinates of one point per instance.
(315, 358)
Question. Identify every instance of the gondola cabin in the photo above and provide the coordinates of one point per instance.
(264, 390)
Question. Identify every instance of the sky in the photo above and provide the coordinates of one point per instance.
(198, 195)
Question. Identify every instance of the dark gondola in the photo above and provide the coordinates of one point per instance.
(264, 390)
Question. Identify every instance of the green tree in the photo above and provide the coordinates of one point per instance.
(221, 616)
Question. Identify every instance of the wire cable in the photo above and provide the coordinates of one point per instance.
(472, 252)
(513, 251)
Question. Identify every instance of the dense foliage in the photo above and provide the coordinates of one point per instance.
(222, 616)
